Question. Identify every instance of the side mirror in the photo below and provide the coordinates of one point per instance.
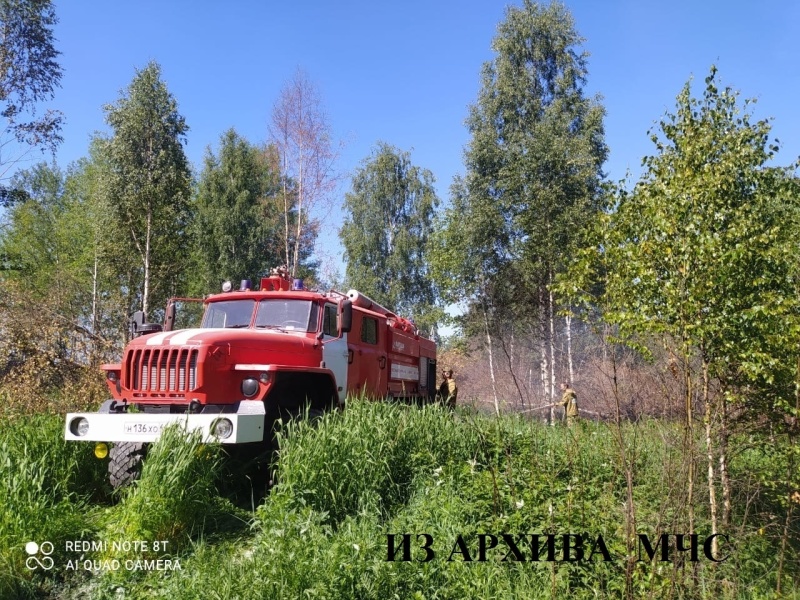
(135, 323)
(345, 316)
(169, 318)
(139, 327)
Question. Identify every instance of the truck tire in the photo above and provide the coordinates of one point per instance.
(125, 464)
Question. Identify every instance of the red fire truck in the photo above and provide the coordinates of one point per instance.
(258, 356)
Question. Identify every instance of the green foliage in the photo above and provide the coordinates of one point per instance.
(29, 73)
(702, 256)
(388, 223)
(352, 466)
(149, 187)
(54, 257)
(378, 469)
(237, 219)
(533, 168)
(53, 241)
(703, 250)
(34, 241)
(90, 226)
(766, 471)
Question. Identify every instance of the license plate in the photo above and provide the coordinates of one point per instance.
(133, 427)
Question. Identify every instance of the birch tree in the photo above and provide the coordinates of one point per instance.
(533, 166)
(467, 261)
(302, 134)
(51, 260)
(389, 219)
(29, 76)
(702, 255)
(149, 184)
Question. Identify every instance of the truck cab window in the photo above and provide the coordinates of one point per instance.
(289, 315)
(369, 330)
(329, 320)
(229, 314)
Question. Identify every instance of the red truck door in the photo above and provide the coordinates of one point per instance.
(368, 371)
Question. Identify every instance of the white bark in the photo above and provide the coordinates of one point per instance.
(552, 345)
(569, 349)
(543, 362)
(146, 292)
(94, 304)
(712, 494)
(301, 132)
(491, 360)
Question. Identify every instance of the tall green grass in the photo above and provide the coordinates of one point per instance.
(174, 503)
(377, 469)
(46, 489)
(368, 459)
(174, 495)
(380, 469)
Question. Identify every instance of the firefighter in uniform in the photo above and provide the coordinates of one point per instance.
(448, 390)
(569, 400)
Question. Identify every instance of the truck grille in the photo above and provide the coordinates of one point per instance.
(161, 370)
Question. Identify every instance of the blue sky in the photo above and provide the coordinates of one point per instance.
(406, 72)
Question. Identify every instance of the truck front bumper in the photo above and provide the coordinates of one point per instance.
(244, 425)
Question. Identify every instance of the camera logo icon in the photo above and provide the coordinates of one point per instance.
(34, 561)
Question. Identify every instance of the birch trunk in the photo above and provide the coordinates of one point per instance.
(93, 342)
(723, 463)
(689, 439)
(628, 465)
(286, 214)
(569, 348)
(300, 201)
(552, 344)
(491, 359)
(543, 357)
(146, 292)
(712, 494)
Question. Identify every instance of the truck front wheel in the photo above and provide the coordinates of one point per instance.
(125, 464)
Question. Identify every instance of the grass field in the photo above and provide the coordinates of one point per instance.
(467, 491)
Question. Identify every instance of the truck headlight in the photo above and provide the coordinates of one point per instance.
(222, 428)
(79, 426)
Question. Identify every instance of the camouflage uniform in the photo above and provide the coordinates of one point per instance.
(452, 392)
(570, 403)
(448, 391)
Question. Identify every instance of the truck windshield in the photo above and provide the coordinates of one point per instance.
(230, 313)
(274, 313)
(292, 315)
